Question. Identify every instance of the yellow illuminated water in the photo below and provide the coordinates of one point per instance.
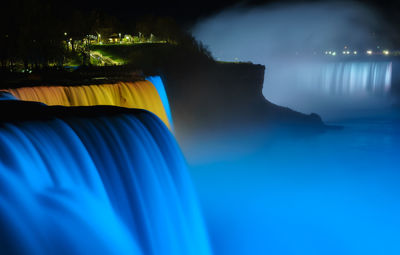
(138, 94)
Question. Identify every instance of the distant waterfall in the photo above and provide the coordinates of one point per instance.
(149, 95)
(354, 77)
(112, 183)
(333, 89)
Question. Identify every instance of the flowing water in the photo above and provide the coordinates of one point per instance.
(332, 89)
(355, 77)
(149, 95)
(119, 185)
(112, 184)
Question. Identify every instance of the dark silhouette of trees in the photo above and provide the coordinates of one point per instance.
(37, 34)
(144, 27)
(163, 28)
(76, 27)
(40, 33)
(30, 33)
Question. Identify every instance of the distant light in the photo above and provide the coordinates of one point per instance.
(326, 53)
(65, 33)
(355, 52)
(369, 52)
(386, 52)
(334, 53)
(344, 52)
(347, 52)
(329, 52)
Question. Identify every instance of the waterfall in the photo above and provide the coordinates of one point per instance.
(139, 94)
(158, 83)
(363, 78)
(345, 78)
(334, 89)
(98, 180)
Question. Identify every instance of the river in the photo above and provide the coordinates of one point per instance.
(331, 193)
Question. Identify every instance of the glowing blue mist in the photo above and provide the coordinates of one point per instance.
(98, 185)
(158, 83)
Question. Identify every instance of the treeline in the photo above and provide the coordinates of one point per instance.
(43, 33)
(30, 33)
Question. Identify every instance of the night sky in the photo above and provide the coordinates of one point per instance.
(187, 12)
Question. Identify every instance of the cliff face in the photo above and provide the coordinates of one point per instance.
(204, 95)
(227, 95)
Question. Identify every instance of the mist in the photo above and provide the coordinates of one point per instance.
(292, 41)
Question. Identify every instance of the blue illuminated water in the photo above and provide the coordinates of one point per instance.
(333, 193)
(158, 83)
(4, 96)
(346, 78)
(100, 185)
(332, 89)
